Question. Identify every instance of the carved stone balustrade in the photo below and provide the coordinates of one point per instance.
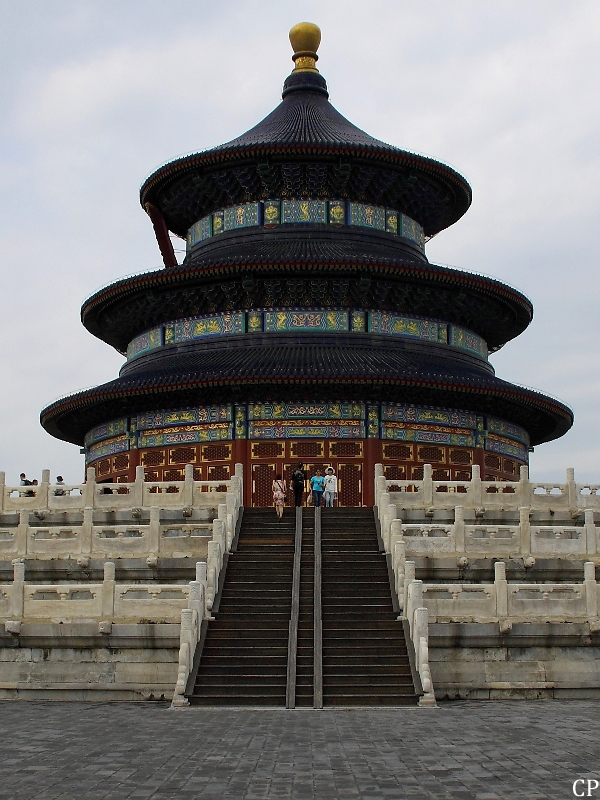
(506, 603)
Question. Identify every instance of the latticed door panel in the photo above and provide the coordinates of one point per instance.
(350, 485)
(219, 472)
(263, 476)
(394, 472)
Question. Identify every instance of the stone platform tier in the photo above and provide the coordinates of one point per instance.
(451, 548)
(67, 635)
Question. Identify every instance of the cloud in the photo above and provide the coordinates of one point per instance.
(96, 95)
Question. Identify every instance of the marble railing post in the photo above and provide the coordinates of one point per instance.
(42, 490)
(186, 655)
(137, 495)
(87, 531)
(213, 569)
(154, 531)
(108, 591)
(232, 503)
(197, 600)
(476, 487)
(239, 474)
(89, 488)
(233, 506)
(219, 536)
(458, 529)
(571, 490)
(524, 492)
(388, 517)
(524, 531)
(501, 586)
(396, 534)
(236, 491)
(398, 566)
(21, 536)
(378, 473)
(591, 589)
(187, 498)
(414, 601)
(17, 597)
(380, 487)
(428, 498)
(421, 644)
(409, 576)
(591, 533)
(384, 502)
(201, 578)
(227, 521)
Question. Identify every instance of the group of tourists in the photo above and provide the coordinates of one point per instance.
(24, 481)
(323, 487)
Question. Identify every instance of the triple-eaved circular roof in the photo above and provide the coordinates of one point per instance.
(306, 148)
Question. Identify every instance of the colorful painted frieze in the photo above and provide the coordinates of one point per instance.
(200, 231)
(186, 435)
(254, 321)
(202, 414)
(358, 321)
(336, 212)
(317, 320)
(497, 444)
(507, 429)
(218, 223)
(273, 212)
(373, 419)
(200, 327)
(391, 221)
(107, 430)
(396, 412)
(411, 230)
(292, 411)
(245, 215)
(390, 430)
(303, 211)
(306, 320)
(366, 215)
(119, 444)
(145, 342)
(395, 325)
(241, 422)
(468, 341)
(308, 429)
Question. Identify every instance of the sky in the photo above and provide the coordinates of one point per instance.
(96, 95)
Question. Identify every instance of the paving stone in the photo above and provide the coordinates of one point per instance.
(461, 751)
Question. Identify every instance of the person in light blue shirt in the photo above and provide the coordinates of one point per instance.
(317, 482)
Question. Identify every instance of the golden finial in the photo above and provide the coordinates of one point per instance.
(305, 38)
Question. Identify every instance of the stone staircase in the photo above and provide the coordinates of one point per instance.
(365, 655)
(244, 658)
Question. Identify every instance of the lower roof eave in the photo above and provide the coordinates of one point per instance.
(71, 417)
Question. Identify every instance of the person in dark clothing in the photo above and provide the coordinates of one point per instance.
(298, 481)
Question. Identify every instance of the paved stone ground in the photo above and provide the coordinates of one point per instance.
(463, 750)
